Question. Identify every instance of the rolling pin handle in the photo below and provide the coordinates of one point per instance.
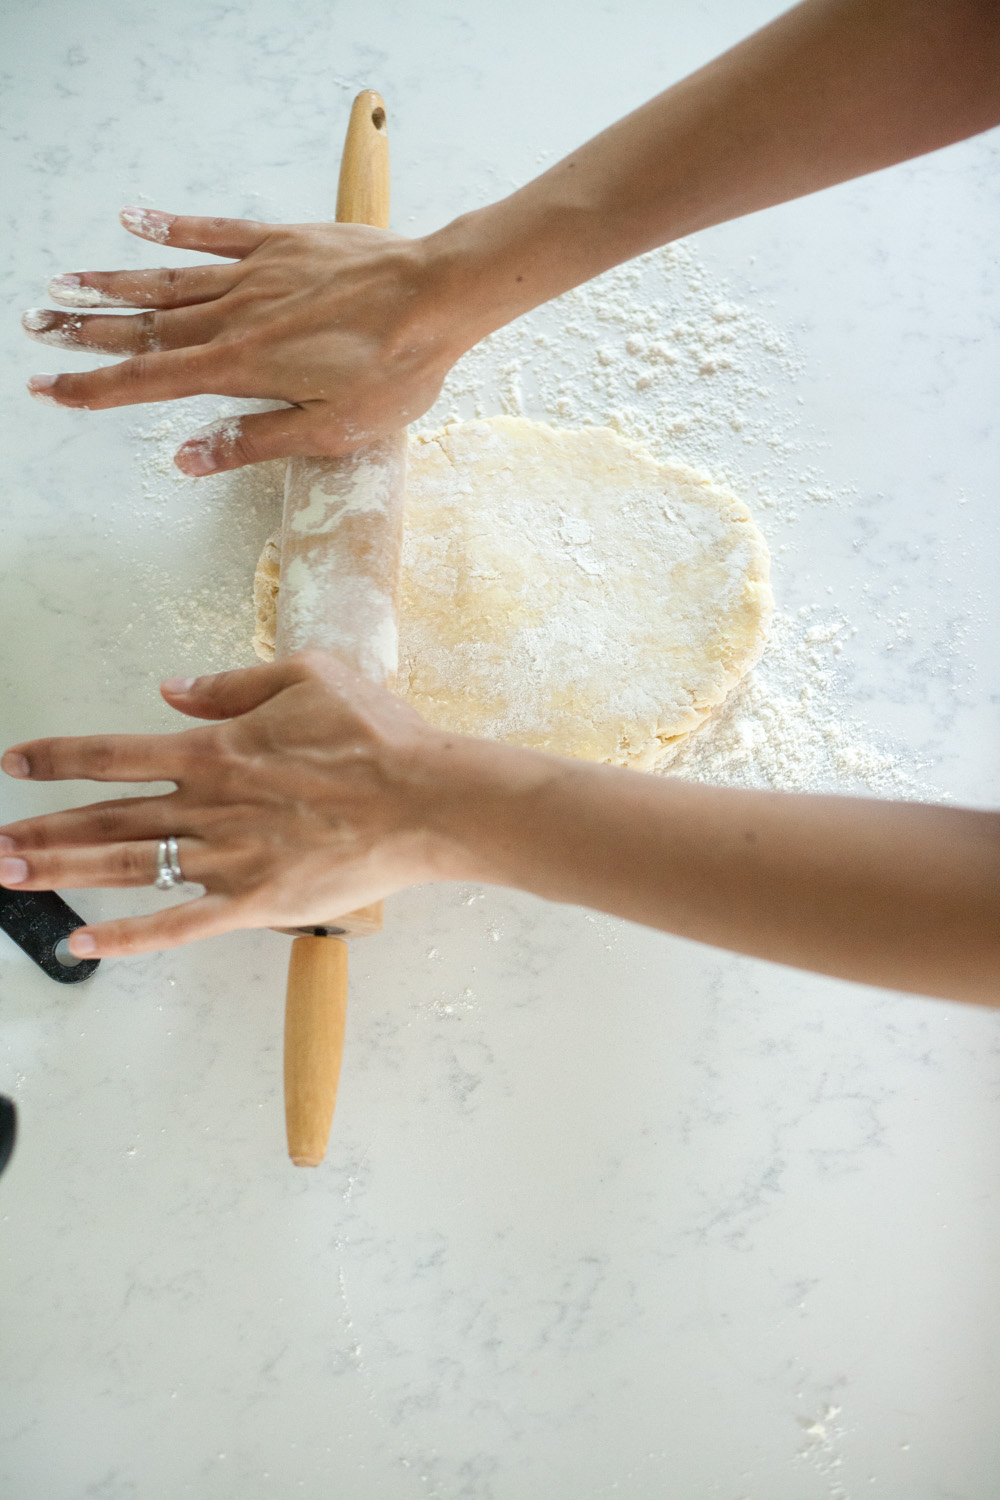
(315, 1018)
(363, 188)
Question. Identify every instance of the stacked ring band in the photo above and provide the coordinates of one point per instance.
(168, 870)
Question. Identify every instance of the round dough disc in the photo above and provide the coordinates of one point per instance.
(565, 590)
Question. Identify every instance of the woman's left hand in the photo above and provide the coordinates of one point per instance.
(307, 800)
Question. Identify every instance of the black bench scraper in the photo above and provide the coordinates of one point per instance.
(40, 922)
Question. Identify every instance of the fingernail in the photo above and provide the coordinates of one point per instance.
(199, 454)
(81, 943)
(15, 764)
(38, 319)
(178, 684)
(71, 292)
(148, 222)
(69, 288)
(60, 330)
(195, 459)
(13, 871)
(40, 386)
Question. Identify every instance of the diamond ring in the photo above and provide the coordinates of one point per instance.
(168, 870)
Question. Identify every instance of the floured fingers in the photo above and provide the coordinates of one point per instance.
(214, 236)
(160, 286)
(144, 333)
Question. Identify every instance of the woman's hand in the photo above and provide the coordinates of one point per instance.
(312, 797)
(350, 325)
(319, 793)
(356, 328)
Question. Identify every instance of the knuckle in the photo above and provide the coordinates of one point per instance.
(212, 761)
(119, 938)
(229, 776)
(150, 332)
(46, 868)
(170, 283)
(214, 685)
(196, 761)
(240, 445)
(87, 332)
(134, 371)
(193, 748)
(107, 823)
(100, 759)
(135, 863)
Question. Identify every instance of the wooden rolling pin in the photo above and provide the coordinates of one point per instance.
(341, 539)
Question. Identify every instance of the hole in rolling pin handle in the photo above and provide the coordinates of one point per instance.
(378, 118)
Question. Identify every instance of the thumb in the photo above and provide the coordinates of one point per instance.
(224, 695)
(235, 441)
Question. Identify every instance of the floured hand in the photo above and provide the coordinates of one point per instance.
(306, 801)
(343, 322)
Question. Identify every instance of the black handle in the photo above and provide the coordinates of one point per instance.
(8, 1129)
(40, 922)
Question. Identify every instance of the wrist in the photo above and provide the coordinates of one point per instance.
(475, 798)
(463, 298)
(494, 264)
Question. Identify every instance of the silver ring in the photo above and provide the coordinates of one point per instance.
(168, 870)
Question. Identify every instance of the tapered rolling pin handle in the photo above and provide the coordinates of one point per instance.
(363, 190)
(315, 1015)
(316, 999)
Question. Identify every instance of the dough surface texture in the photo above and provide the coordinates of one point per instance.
(565, 590)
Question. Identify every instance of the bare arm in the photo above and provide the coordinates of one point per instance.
(317, 793)
(356, 328)
(831, 90)
(895, 894)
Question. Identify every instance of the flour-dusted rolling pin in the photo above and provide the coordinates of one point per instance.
(341, 538)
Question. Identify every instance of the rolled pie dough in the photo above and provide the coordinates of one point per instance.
(565, 590)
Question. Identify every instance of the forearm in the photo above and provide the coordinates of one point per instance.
(316, 793)
(895, 894)
(829, 91)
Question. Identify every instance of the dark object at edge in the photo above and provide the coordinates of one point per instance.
(8, 1129)
(39, 922)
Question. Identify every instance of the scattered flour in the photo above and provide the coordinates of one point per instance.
(783, 727)
(200, 611)
(822, 1449)
(663, 353)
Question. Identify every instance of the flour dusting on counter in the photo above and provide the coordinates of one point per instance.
(198, 599)
(665, 355)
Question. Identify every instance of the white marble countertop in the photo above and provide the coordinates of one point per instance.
(604, 1212)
